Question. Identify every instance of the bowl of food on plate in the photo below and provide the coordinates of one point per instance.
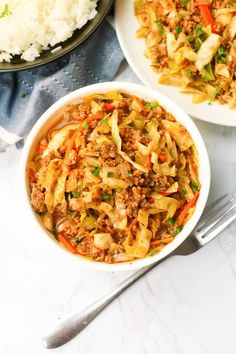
(185, 49)
(116, 175)
(36, 32)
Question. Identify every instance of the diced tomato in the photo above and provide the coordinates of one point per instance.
(108, 107)
(31, 175)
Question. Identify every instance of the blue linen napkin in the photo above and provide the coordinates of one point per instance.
(25, 95)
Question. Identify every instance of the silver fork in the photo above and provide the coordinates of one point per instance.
(217, 216)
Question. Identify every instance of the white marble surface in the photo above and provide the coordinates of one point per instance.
(187, 305)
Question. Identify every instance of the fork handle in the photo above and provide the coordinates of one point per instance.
(75, 322)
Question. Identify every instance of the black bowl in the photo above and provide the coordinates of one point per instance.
(71, 43)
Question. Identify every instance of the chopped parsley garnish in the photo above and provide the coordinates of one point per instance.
(96, 171)
(220, 55)
(85, 124)
(178, 30)
(130, 172)
(75, 194)
(153, 252)
(109, 173)
(150, 105)
(189, 73)
(183, 192)
(161, 31)
(158, 22)
(24, 94)
(106, 197)
(177, 230)
(77, 240)
(194, 186)
(170, 221)
(184, 1)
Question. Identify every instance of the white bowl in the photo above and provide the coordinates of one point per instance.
(50, 117)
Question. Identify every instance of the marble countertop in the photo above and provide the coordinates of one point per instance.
(186, 305)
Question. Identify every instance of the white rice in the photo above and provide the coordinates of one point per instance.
(27, 27)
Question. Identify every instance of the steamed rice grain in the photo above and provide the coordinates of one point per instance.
(29, 27)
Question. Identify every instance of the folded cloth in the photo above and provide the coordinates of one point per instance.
(25, 95)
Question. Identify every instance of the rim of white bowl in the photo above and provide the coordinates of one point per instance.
(147, 94)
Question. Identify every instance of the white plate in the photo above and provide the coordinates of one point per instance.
(133, 48)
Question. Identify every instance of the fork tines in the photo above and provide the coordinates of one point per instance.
(216, 218)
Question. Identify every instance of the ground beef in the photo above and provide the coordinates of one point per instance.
(190, 22)
(68, 227)
(156, 113)
(161, 182)
(76, 204)
(78, 112)
(37, 198)
(135, 198)
(109, 154)
(105, 225)
(138, 178)
(45, 161)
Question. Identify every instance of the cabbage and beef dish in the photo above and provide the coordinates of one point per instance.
(192, 43)
(116, 179)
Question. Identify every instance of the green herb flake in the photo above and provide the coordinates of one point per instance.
(106, 197)
(130, 172)
(158, 22)
(77, 240)
(170, 221)
(75, 194)
(161, 31)
(178, 30)
(96, 171)
(150, 105)
(189, 73)
(153, 252)
(177, 230)
(194, 186)
(85, 124)
(185, 1)
(183, 192)
(109, 174)
(23, 95)
(221, 55)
